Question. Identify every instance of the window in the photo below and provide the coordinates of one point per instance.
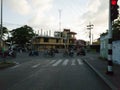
(46, 39)
(57, 40)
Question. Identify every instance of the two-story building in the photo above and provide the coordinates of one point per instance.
(60, 40)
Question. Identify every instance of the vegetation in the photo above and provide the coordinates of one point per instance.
(6, 64)
(115, 30)
(105, 33)
(5, 31)
(22, 35)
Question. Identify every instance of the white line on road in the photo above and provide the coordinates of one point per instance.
(65, 62)
(52, 61)
(35, 65)
(79, 61)
(73, 62)
(15, 66)
(55, 64)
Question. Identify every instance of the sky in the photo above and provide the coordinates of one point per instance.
(47, 14)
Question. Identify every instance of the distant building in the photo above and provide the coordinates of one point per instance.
(115, 49)
(60, 40)
(80, 42)
(104, 46)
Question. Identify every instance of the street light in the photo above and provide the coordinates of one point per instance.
(1, 27)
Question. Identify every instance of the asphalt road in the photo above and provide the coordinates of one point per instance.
(44, 73)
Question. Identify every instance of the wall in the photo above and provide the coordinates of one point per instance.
(116, 51)
(104, 46)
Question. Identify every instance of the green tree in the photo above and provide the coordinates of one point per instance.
(22, 35)
(5, 31)
(116, 30)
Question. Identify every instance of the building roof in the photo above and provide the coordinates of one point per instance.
(66, 29)
(72, 33)
(47, 37)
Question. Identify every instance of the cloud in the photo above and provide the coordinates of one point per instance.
(21, 7)
(92, 5)
(96, 13)
(41, 3)
(41, 10)
(38, 11)
(42, 14)
(95, 10)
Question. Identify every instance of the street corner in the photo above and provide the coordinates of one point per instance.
(4, 65)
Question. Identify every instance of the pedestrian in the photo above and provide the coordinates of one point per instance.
(20, 50)
(3, 51)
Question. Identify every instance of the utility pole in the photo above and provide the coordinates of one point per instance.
(113, 14)
(89, 27)
(41, 32)
(59, 19)
(1, 27)
(110, 62)
(60, 27)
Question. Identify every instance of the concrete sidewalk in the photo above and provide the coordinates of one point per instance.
(100, 67)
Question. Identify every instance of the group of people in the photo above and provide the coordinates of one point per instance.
(67, 52)
(71, 51)
(49, 52)
(9, 52)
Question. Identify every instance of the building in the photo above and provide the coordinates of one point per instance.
(115, 49)
(60, 40)
(81, 43)
(104, 46)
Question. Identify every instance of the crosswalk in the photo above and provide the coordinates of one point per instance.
(65, 62)
(53, 63)
(60, 62)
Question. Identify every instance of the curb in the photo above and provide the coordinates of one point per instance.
(113, 87)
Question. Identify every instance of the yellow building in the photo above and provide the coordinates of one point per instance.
(60, 40)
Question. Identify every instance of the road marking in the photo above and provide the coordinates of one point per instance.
(35, 65)
(55, 64)
(79, 61)
(65, 62)
(52, 61)
(15, 66)
(73, 62)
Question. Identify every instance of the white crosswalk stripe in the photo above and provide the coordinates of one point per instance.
(62, 62)
(73, 62)
(58, 62)
(79, 61)
(52, 61)
(65, 62)
(35, 65)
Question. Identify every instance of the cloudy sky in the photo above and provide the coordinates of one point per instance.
(45, 14)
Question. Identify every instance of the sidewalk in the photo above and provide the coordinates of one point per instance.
(100, 67)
